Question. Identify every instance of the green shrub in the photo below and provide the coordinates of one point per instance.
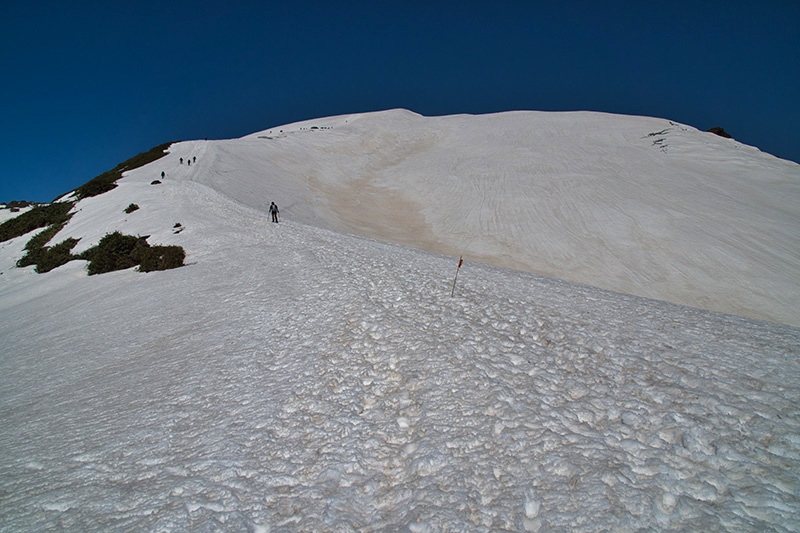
(35, 248)
(39, 217)
(113, 252)
(107, 180)
(55, 256)
(46, 258)
(116, 251)
(18, 204)
(37, 253)
(131, 208)
(159, 258)
(43, 237)
(98, 185)
(31, 258)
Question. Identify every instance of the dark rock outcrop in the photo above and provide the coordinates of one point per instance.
(719, 131)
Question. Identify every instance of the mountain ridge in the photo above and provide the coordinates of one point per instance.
(638, 205)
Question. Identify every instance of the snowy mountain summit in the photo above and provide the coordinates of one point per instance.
(638, 205)
(316, 374)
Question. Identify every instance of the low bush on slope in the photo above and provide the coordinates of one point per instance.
(152, 258)
(16, 205)
(51, 216)
(108, 179)
(46, 258)
(116, 251)
(40, 216)
(113, 252)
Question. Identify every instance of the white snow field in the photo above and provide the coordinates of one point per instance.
(298, 377)
(638, 205)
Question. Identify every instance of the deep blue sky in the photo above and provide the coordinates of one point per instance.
(86, 85)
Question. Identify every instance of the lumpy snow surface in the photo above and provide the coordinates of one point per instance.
(312, 381)
(292, 378)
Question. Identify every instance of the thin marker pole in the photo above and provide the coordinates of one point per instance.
(460, 261)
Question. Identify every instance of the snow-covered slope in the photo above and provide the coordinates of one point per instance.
(639, 205)
(293, 378)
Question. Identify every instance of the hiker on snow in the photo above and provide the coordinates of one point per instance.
(274, 210)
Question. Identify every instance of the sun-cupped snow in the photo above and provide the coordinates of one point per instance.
(294, 378)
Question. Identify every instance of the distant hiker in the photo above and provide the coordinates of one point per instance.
(162, 174)
(189, 162)
(194, 159)
(181, 160)
(274, 210)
